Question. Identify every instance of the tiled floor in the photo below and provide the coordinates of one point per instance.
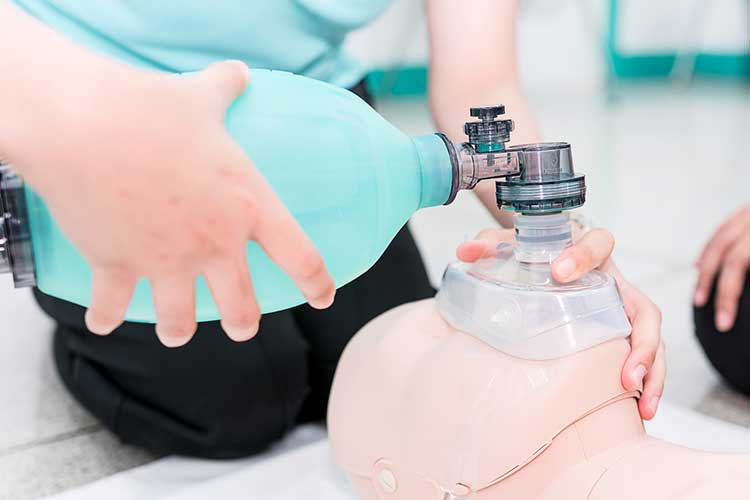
(663, 167)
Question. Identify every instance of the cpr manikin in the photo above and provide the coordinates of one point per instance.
(507, 384)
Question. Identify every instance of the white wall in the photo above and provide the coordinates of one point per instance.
(713, 26)
(561, 45)
(559, 41)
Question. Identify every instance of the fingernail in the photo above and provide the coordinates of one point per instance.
(323, 302)
(723, 321)
(241, 66)
(241, 334)
(170, 340)
(639, 372)
(254, 330)
(565, 267)
(653, 403)
(97, 328)
(699, 299)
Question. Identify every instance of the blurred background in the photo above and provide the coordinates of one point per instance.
(655, 99)
(653, 96)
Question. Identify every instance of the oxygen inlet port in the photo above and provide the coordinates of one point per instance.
(489, 134)
(484, 155)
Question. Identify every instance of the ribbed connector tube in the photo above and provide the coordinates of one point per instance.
(541, 197)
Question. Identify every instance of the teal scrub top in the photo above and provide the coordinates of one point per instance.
(301, 36)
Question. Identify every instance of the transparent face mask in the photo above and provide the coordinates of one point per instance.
(511, 301)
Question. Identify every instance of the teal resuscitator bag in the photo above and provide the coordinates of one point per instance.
(349, 177)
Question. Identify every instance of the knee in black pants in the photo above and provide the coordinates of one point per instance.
(211, 398)
(729, 352)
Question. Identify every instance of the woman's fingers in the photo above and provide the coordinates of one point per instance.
(653, 386)
(588, 253)
(174, 300)
(484, 244)
(232, 290)
(734, 270)
(287, 245)
(645, 338)
(110, 297)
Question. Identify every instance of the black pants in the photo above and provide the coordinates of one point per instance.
(214, 397)
(729, 352)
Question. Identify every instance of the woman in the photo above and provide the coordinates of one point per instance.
(116, 135)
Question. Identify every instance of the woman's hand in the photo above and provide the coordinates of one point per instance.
(727, 254)
(140, 173)
(147, 183)
(645, 367)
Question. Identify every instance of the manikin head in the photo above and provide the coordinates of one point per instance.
(421, 410)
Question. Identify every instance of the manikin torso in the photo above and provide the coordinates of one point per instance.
(421, 411)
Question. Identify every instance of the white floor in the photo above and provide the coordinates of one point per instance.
(663, 166)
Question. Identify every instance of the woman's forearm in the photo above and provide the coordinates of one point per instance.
(451, 103)
(47, 82)
(473, 63)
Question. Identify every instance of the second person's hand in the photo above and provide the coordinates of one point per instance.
(726, 255)
(645, 367)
